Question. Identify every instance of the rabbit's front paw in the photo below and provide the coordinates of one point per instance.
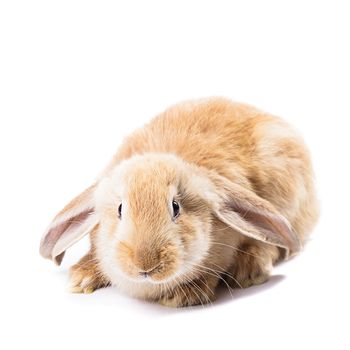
(85, 276)
(253, 265)
(198, 292)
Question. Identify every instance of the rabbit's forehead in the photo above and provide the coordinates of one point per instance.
(149, 185)
(149, 177)
(146, 171)
(141, 180)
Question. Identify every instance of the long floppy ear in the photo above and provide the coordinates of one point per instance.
(72, 223)
(252, 216)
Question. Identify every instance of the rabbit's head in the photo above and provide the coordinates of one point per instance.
(155, 215)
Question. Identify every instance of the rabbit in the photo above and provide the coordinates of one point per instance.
(210, 191)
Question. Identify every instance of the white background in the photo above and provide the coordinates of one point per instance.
(78, 76)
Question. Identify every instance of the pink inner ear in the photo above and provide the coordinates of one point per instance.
(62, 229)
(276, 230)
(272, 225)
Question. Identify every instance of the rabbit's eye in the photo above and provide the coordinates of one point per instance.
(176, 209)
(120, 211)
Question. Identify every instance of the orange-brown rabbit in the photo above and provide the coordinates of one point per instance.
(209, 190)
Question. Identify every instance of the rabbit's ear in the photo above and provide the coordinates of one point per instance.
(252, 216)
(72, 223)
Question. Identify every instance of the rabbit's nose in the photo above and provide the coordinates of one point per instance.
(146, 260)
(149, 272)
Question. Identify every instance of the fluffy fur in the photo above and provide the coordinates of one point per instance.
(244, 184)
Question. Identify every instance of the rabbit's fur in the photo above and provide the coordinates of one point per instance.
(244, 184)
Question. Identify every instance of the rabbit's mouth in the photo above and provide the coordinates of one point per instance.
(148, 264)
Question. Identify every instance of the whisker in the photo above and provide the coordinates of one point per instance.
(185, 294)
(199, 290)
(237, 249)
(228, 275)
(216, 274)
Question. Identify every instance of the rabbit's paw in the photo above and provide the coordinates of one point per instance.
(190, 294)
(85, 276)
(253, 265)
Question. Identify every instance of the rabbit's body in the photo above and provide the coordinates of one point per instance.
(249, 147)
(251, 167)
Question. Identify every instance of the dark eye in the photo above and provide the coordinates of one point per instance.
(120, 211)
(176, 209)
